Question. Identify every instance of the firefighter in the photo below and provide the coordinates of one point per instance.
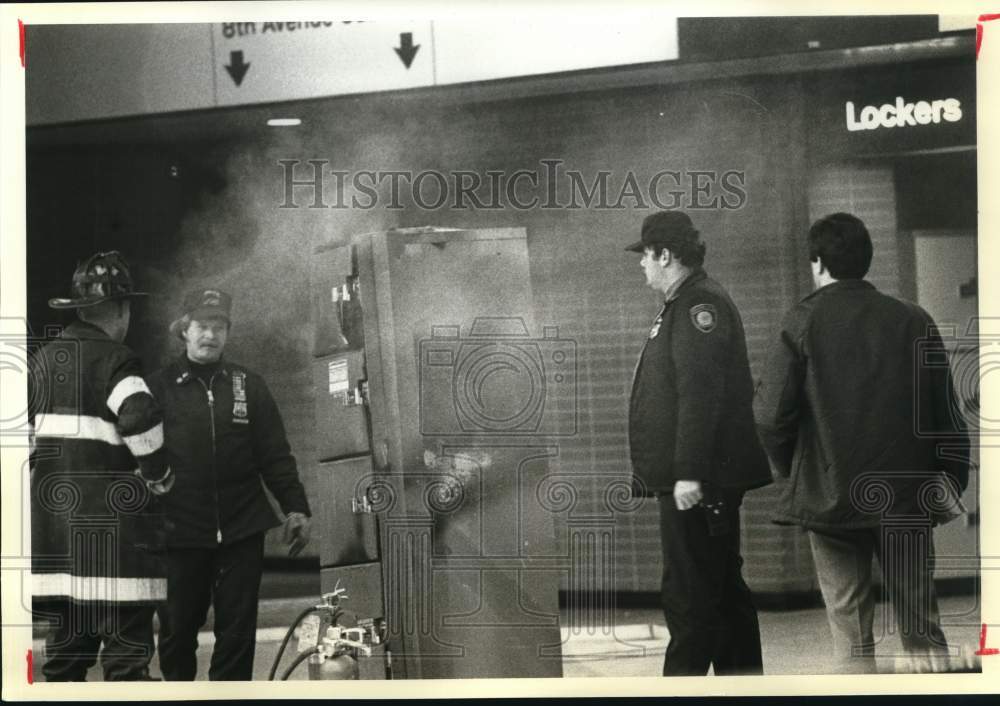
(223, 438)
(94, 567)
(694, 446)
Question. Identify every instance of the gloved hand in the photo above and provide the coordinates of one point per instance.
(687, 494)
(296, 532)
(158, 487)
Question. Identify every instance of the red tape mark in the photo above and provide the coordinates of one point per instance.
(983, 649)
(979, 29)
(31, 668)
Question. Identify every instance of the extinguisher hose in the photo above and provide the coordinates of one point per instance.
(297, 661)
(288, 636)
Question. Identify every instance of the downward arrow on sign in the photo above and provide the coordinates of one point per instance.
(236, 68)
(406, 49)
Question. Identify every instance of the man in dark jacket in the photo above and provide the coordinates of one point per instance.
(223, 437)
(856, 410)
(694, 446)
(94, 530)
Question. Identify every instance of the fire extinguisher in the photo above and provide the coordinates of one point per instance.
(334, 649)
(309, 625)
(342, 666)
(337, 656)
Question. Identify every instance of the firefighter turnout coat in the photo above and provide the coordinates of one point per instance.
(95, 530)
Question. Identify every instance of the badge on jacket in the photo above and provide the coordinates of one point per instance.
(240, 398)
(704, 317)
(656, 327)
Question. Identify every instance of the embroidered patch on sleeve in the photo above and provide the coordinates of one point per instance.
(704, 317)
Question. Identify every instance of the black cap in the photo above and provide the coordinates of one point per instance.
(666, 228)
(204, 304)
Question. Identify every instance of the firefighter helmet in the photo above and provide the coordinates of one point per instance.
(97, 279)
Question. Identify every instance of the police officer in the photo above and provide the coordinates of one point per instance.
(224, 437)
(694, 446)
(94, 532)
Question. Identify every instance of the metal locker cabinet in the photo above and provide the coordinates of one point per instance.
(457, 384)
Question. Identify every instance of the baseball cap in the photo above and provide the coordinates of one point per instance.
(664, 228)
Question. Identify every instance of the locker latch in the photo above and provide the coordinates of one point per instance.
(362, 505)
(358, 396)
(345, 292)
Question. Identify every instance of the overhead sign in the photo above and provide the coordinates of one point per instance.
(902, 113)
(258, 62)
(274, 61)
(893, 110)
(505, 48)
(157, 68)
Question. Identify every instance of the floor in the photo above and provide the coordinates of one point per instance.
(794, 641)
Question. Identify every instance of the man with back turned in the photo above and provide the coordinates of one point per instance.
(851, 413)
(693, 445)
(97, 463)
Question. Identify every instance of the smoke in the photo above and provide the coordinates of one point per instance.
(238, 239)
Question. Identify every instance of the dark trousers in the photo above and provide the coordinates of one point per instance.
(709, 610)
(844, 568)
(227, 578)
(78, 630)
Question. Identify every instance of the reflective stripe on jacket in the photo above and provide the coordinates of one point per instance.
(95, 528)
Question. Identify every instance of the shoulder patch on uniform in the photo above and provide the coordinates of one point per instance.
(704, 317)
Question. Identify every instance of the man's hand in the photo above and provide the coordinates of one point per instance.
(158, 487)
(296, 533)
(687, 494)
